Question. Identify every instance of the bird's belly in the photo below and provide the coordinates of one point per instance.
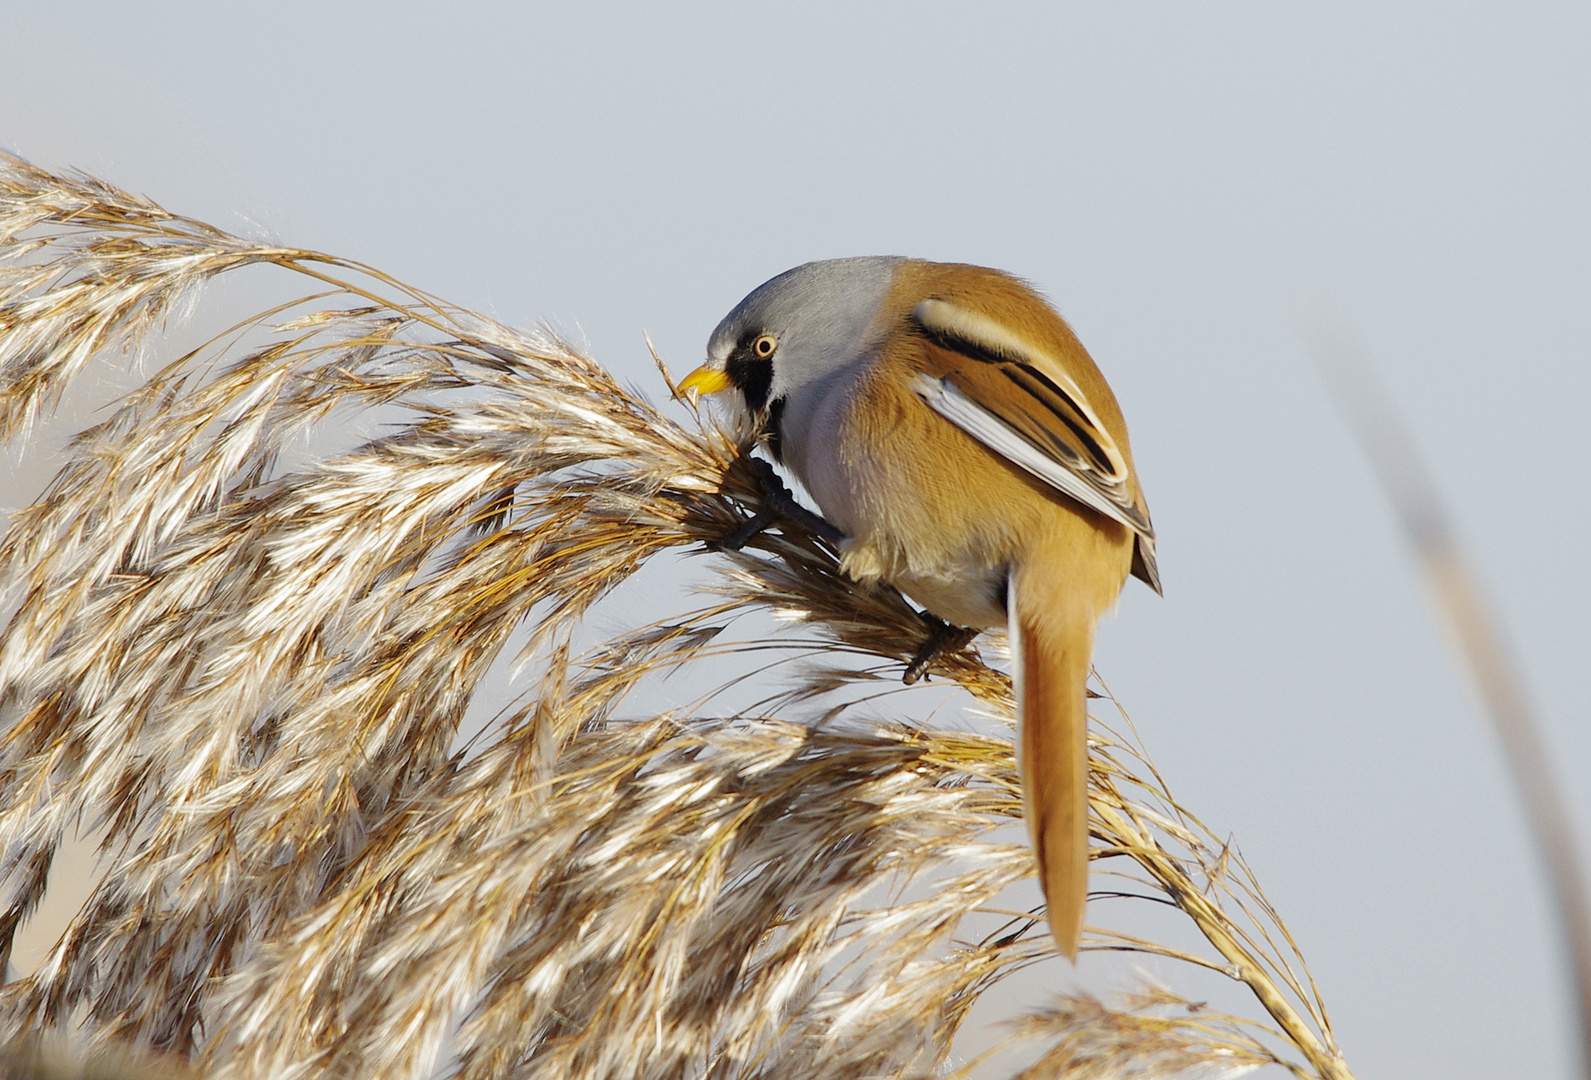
(963, 596)
(900, 529)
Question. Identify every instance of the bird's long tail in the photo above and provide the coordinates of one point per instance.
(1052, 649)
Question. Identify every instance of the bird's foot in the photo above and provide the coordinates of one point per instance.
(778, 504)
(753, 525)
(942, 638)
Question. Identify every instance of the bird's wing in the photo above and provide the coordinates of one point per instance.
(1019, 402)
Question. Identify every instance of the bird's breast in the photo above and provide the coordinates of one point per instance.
(811, 428)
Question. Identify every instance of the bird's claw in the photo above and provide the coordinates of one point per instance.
(942, 638)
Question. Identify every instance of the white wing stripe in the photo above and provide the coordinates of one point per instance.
(988, 429)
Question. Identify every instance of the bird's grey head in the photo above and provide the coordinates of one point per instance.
(796, 328)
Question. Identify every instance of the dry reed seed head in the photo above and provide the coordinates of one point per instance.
(255, 668)
(749, 794)
(59, 1056)
(1153, 1034)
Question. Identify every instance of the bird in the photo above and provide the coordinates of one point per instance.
(950, 425)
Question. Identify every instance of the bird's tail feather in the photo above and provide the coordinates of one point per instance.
(1051, 653)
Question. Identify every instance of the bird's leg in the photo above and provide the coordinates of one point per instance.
(942, 638)
(778, 504)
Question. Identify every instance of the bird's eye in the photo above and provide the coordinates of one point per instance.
(764, 346)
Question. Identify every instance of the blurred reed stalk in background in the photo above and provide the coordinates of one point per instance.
(1477, 636)
(250, 672)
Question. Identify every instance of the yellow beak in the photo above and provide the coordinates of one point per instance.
(703, 381)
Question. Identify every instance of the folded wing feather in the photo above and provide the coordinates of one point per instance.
(1019, 403)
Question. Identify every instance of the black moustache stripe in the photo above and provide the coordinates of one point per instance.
(753, 376)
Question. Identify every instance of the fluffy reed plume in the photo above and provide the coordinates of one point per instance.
(57, 1057)
(254, 673)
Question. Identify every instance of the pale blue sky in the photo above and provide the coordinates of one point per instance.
(1179, 178)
